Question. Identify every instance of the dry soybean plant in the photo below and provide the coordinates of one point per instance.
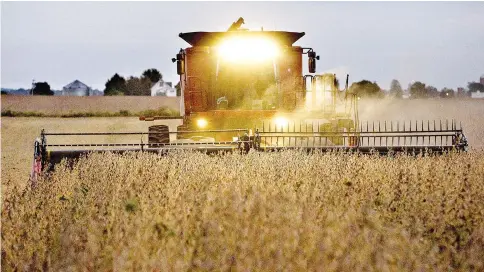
(286, 211)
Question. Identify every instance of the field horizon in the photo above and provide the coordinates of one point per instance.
(76, 104)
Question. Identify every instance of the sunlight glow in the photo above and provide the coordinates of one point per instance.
(202, 123)
(250, 49)
(281, 121)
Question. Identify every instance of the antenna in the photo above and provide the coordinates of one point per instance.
(32, 88)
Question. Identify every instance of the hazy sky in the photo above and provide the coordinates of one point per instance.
(439, 43)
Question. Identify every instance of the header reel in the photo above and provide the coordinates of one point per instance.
(380, 137)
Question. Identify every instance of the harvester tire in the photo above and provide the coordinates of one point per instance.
(162, 136)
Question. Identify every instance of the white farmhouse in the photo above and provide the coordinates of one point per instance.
(162, 88)
(477, 94)
(76, 88)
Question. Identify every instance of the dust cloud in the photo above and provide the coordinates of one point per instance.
(469, 112)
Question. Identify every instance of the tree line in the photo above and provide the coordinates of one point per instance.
(42, 88)
(415, 89)
(141, 86)
(118, 85)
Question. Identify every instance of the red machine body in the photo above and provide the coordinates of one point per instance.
(204, 74)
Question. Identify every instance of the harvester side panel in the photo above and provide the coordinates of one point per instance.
(198, 70)
(290, 73)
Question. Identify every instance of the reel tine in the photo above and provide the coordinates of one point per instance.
(374, 138)
(428, 129)
(392, 130)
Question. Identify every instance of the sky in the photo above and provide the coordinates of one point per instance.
(438, 43)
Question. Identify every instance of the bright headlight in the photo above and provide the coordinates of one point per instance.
(202, 123)
(281, 121)
(247, 49)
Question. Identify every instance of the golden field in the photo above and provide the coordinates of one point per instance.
(286, 211)
(257, 212)
(19, 133)
(58, 105)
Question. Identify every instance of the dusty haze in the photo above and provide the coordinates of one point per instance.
(469, 111)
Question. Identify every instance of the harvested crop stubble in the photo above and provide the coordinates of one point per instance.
(280, 211)
(65, 105)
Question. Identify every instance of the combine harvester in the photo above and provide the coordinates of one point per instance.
(245, 90)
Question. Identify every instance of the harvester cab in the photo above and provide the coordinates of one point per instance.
(244, 89)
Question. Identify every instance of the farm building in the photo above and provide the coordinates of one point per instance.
(76, 88)
(163, 88)
(477, 94)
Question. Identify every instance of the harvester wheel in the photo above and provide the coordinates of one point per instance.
(162, 135)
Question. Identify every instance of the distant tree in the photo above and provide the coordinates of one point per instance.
(461, 92)
(138, 86)
(447, 93)
(4, 92)
(22, 91)
(396, 89)
(475, 86)
(153, 74)
(366, 88)
(178, 89)
(417, 90)
(42, 88)
(431, 91)
(116, 85)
